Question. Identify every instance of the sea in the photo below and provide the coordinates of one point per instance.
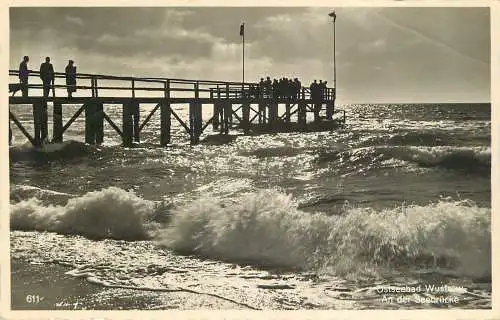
(391, 211)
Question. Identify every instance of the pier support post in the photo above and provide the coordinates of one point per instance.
(317, 109)
(226, 111)
(99, 123)
(37, 123)
(44, 126)
(165, 122)
(329, 110)
(90, 122)
(127, 126)
(273, 114)
(301, 115)
(195, 122)
(57, 123)
(135, 112)
(216, 116)
(246, 117)
(262, 113)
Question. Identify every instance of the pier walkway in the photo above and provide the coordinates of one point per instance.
(234, 105)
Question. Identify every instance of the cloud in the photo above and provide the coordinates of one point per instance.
(74, 20)
(414, 51)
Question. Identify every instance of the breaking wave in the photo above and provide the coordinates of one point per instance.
(470, 159)
(109, 213)
(51, 151)
(266, 228)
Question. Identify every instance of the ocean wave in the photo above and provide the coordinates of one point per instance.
(108, 213)
(267, 228)
(470, 159)
(64, 150)
(20, 192)
(429, 138)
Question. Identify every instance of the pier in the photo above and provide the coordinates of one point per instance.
(236, 107)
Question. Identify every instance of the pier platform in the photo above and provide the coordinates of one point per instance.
(234, 106)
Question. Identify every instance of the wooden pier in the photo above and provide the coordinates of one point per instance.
(244, 107)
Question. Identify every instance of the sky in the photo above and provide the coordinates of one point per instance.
(383, 55)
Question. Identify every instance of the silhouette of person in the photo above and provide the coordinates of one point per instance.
(268, 83)
(324, 93)
(24, 75)
(70, 78)
(261, 87)
(47, 76)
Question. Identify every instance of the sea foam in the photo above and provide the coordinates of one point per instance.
(266, 228)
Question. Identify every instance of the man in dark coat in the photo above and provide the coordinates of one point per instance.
(70, 78)
(23, 75)
(47, 76)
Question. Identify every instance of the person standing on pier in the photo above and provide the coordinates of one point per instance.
(23, 75)
(47, 76)
(70, 78)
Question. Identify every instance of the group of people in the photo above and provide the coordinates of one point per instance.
(286, 88)
(47, 76)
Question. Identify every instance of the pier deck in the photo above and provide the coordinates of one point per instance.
(235, 106)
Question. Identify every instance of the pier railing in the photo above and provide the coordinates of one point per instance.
(254, 108)
(96, 85)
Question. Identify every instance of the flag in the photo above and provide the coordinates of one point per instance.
(242, 29)
(333, 15)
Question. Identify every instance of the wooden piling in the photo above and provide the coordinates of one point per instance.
(57, 123)
(301, 115)
(165, 119)
(165, 116)
(99, 123)
(195, 122)
(273, 114)
(216, 116)
(262, 113)
(127, 125)
(246, 117)
(317, 109)
(227, 110)
(135, 113)
(37, 123)
(90, 109)
(44, 127)
(330, 109)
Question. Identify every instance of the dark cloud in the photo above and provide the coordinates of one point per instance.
(381, 51)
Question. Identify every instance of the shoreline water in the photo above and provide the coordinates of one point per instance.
(48, 287)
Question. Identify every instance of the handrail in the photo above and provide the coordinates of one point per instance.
(224, 89)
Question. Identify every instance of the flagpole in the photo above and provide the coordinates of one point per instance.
(334, 55)
(333, 15)
(243, 48)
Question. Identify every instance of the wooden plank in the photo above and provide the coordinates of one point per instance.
(183, 124)
(208, 123)
(20, 126)
(113, 125)
(73, 118)
(149, 116)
